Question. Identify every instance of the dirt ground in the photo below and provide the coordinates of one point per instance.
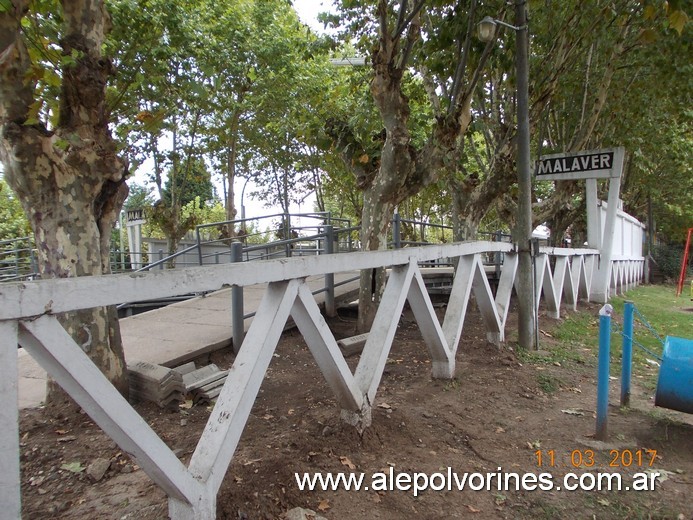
(500, 411)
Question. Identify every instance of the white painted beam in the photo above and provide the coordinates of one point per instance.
(486, 303)
(570, 288)
(325, 350)
(220, 437)
(458, 302)
(545, 286)
(55, 350)
(40, 297)
(372, 363)
(10, 487)
(442, 359)
(505, 287)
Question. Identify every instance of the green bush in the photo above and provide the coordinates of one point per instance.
(668, 258)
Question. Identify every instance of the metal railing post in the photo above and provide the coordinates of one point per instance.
(237, 320)
(349, 238)
(287, 234)
(199, 245)
(627, 353)
(498, 237)
(603, 373)
(161, 257)
(330, 308)
(32, 261)
(396, 231)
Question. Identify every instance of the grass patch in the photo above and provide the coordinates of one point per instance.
(658, 305)
(658, 313)
(548, 384)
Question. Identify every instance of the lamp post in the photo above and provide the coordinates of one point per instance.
(523, 230)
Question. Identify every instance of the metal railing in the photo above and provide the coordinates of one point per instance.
(213, 243)
(18, 259)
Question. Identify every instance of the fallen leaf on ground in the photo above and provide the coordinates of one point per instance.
(345, 461)
(73, 467)
(473, 509)
(324, 505)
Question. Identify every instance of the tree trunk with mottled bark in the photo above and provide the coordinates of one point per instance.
(69, 178)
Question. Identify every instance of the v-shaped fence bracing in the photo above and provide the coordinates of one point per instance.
(28, 318)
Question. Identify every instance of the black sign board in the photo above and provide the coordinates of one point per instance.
(583, 165)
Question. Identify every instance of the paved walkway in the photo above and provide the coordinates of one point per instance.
(177, 333)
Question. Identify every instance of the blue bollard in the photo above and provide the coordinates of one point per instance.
(603, 372)
(627, 354)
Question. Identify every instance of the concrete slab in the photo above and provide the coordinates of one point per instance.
(353, 345)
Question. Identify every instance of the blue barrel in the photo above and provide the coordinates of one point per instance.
(675, 384)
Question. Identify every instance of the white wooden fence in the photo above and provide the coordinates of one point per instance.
(28, 317)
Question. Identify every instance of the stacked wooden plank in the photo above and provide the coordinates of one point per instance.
(155, 383)
(202, 384)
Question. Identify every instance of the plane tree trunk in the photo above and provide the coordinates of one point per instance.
(69, 178)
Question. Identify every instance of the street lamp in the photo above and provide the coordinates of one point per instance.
(487, 28)
(525, 282)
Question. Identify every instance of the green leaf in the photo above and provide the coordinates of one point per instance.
(33, 114)
(649, 12)
(73, 467)
(678, 20)
(62, 144)
(648, 36)
(52, 79)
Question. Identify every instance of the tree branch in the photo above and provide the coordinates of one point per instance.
(402, 26)
(462, 58)
(16, 94)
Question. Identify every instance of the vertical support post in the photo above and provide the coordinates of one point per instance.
(161, 257)
(594, 233)
(601, 280)
(603, 375)
(287, 234)
(34, 264)
(10, 490)
(523, 228)
(122, 242)
(627, 353)
(199, 245)
(498, 237)
(396, 231)
(330, 308)
(237, 313)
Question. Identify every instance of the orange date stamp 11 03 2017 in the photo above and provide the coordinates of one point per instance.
(586, 458)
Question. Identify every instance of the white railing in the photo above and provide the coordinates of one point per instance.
(28, 318)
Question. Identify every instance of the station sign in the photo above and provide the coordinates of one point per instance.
(135, 216)
(595, 164)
